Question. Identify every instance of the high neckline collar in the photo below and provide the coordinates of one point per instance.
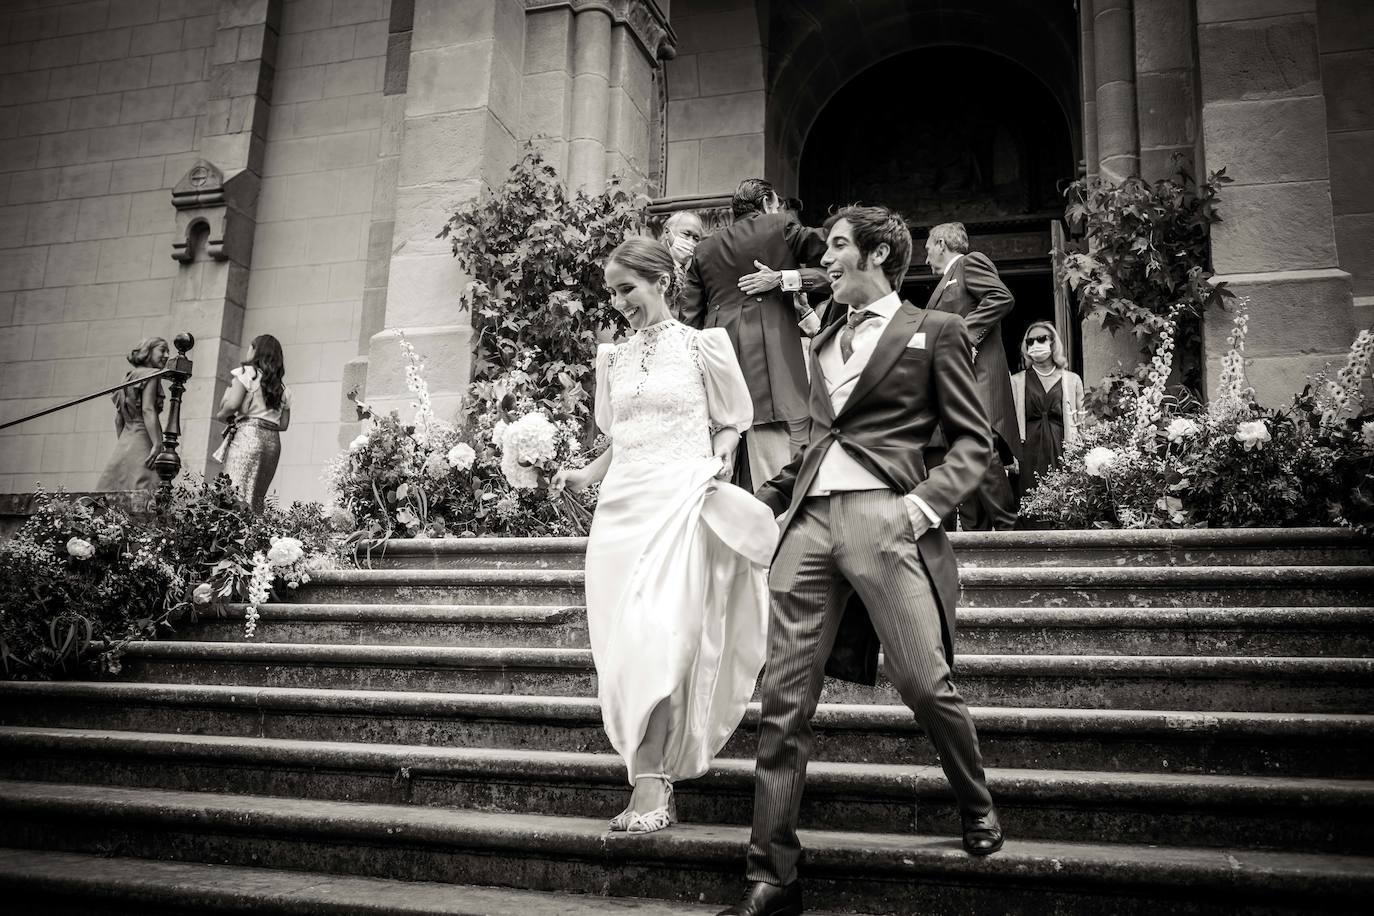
(657, 327)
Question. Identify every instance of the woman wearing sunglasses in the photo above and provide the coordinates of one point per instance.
(1049, 402)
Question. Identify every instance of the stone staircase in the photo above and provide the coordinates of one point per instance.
(1174, 722)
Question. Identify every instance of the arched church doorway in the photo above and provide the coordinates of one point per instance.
(952, 133)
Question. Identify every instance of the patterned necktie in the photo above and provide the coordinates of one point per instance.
(847, 335)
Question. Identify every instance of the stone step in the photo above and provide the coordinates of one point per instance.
(1069, 586)
(68, 884)
(902, 874)
(1238, 684)
(1248, 744)
(1200, 547)
(547, 626)
(1159, 809)
(1306, 631)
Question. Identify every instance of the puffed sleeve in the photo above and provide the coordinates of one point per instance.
(727, 396)
(604, 413)
(247, 376)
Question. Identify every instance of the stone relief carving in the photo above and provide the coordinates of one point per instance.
(642, 17)
(207, 206)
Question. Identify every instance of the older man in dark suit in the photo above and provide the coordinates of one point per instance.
(862, 556)
(742, 278)
(967, 284)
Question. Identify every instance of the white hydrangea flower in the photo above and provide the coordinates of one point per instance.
(1099, 460)
(285, 551)
(527, 443)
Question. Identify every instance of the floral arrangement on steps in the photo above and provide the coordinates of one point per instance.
(1143, 267)
(82, 579)
(1164, 461)
(430, 478)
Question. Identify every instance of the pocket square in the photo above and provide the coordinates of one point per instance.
(951, 281)
(918, 340)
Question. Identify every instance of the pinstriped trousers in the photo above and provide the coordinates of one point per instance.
(836, 545)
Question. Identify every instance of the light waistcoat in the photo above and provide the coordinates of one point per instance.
(838, 471)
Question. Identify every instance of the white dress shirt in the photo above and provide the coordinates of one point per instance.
(839, 471)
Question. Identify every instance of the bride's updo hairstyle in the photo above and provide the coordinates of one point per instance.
(649, 259)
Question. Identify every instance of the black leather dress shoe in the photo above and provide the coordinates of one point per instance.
(982, 835)
(768, 900)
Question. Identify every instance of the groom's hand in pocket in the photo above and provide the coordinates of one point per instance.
(920, 522)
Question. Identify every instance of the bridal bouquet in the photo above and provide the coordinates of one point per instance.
(531, 448)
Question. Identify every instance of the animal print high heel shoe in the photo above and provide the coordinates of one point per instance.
(659, 818)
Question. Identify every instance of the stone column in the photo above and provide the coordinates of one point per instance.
(1114, 65)
(1088, 87)
(628, 116)
(589, 85)
(1264, 120)
(590, 99)
(1166, 76)
(546, 116)
(216, 204)
(456, 136)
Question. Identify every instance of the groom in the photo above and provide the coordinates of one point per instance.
(862, 554)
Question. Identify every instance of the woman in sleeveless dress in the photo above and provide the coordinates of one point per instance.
(137, 423)
(257, 409)
(677, 559)
(1049, 403)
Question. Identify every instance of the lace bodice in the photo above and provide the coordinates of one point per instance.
(660, 393)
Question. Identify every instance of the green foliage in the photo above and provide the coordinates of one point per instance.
(440, 481)
(1145, 250)
(535, 254)
(1305, 473)
(81, 579)
(78, 580)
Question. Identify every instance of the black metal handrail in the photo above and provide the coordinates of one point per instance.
(161, 373)
(178, 369)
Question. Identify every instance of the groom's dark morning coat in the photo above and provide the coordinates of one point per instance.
(902, 396)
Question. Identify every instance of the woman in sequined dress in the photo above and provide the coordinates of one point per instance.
(677, 558)
(257, 409)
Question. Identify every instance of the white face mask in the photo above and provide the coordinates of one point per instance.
(1038, 351)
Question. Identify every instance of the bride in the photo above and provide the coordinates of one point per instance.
(677, 559)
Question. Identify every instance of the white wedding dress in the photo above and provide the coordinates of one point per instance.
(677, 561)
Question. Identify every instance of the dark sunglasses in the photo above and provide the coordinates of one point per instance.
(1039, 338)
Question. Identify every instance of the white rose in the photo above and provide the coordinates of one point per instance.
(1252, 434)
(359, 443)
(461, 456)
(1098, 460)
(203, 593)
(81, 549)
(1182, 428)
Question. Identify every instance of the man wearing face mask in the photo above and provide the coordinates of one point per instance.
(967, 284)
(728, 286)
(682, 233)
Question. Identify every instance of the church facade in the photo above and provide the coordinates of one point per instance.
(240, 167)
